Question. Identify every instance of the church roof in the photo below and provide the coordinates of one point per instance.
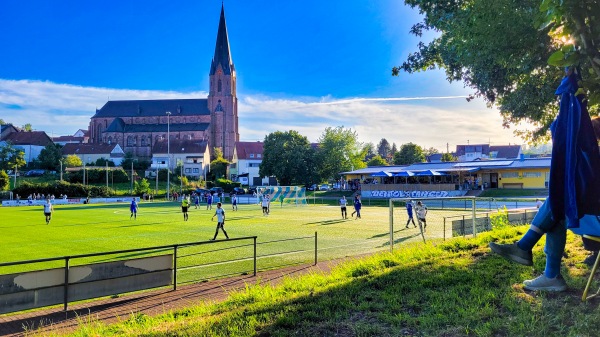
(154, 107)
(118, 125)
(222, 51)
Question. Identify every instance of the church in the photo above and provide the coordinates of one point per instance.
(139, 126)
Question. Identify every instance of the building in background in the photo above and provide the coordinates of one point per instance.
(137, 125)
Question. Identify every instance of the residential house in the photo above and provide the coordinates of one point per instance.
(79, 137)
(245, 165)
(193, 154)
(90, 153)
(31, 142)
(486, 151)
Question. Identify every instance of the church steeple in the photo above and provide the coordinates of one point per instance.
(222, 52)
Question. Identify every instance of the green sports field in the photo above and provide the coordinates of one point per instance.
(83, 229)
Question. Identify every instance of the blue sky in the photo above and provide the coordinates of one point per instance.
(300, 65)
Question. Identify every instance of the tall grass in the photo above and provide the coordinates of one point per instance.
(453, 288)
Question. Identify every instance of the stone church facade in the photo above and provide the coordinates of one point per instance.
(138, 125)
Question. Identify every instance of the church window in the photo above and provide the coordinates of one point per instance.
(130, 141)
(219, 86)
(143, 141)
(109, 140)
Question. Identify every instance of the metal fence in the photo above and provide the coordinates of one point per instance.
(11, 289)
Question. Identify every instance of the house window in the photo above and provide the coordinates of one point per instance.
(258, 155)
(196, 170)
(251, 155)
(532, 174)
(510, 175)
(188, 170)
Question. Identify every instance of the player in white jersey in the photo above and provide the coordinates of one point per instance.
(343, 202)
(265, 204)
(421, 211)
(48, 211)
(220, 214)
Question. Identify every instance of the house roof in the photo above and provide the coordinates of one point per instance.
(152, 108)
(462, 149)
(38, 138)
(506, 151)
(73, 148)
(67, 139)
(181, 146)
(118, 125)
(222, 51)
(244, 149)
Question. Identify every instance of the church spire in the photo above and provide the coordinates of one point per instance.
(222, 52)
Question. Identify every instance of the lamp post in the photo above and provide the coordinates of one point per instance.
(168, 154)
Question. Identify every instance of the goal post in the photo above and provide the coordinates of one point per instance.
(284, 195)
(443, 218)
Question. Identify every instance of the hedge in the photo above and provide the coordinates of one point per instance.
(58, 188)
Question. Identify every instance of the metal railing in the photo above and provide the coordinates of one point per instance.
(177, 256)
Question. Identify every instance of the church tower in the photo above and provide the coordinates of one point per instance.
(222, 97)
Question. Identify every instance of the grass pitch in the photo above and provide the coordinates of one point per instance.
(285, 236)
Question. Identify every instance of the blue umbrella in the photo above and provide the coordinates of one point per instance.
(381, 174)
(403, 174)
(429, 173)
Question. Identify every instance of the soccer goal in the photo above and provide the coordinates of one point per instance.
(434, 218)
(284, 195)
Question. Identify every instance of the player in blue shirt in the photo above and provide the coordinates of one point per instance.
(133, 208)
(409, 210)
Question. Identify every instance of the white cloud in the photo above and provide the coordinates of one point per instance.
(61, 109)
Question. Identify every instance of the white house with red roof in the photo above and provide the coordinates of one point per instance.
(193, 154)
(247, 157)
(31, 142)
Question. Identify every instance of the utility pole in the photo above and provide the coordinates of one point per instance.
(168, 155)
(107, 174)
(131, 188)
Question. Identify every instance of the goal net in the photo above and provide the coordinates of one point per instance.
(283, 195)
(435, 218)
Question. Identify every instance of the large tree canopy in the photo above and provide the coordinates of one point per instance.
(287, 156)
(339, 151)
(409, 153)
(50, 157)
(493, 47)
(11, 156)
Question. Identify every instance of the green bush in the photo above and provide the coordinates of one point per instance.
(97, 176)
(226, 184)
(499, 219)
(58, 188)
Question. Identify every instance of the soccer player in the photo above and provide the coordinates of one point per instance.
(357, 206)
(133, 208)
(343, 203)
(409, 210)
(48, 211)
(196, 201)
(185, 204)
(220, 214)
(421, 210)
(209, 200)
(265, 204)
(234, 201)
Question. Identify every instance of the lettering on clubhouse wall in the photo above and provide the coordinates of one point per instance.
(412, 194)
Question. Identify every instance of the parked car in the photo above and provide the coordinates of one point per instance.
(238, 190)
(35, 173)
(252, 190)
(324, 187)
(201, 191)
(11, 173)
(217, 190)
(312, 187)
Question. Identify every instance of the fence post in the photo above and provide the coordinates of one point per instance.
(316, 249)
(444, 228)
(391, 220)
(463, 225)
(525, 217)
(474, 218)
(66, 305)
(255, 256)
(175, 267)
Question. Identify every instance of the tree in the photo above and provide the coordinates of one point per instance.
(218, 167)
(392, 153)
(27, 127)
(11, 156)
(73, 161)
(141, 187)
(2, 122)
(216, 153)
(103, 161)
(384, 148)
(339, 151)
(574, 26)
(50, 157)
(4, 180)
(287, 156)
(409, 153)
(448, 157)
(369, 151)
(428, 152)
(377, 161)
(493, 47)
